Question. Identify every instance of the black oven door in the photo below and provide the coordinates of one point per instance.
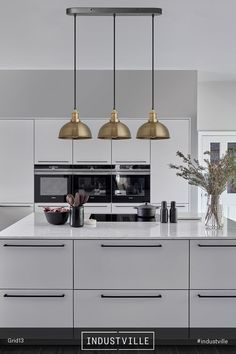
(130, 188)
(52, 188)
(97, 185)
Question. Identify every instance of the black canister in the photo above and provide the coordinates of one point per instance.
(164, 212)
(77, 216)
(173, 212)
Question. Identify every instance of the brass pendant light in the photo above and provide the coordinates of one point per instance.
(153, 129)
(114, 129)
(75, 129)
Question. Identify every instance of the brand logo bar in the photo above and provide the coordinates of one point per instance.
(114, 340)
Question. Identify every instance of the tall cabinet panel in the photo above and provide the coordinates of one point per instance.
(165, 185)
(48, 148)
(131, 151)
(92, 151)
(16, 161)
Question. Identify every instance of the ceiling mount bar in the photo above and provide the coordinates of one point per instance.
(108, 11)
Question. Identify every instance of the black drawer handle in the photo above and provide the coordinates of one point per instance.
(216, 296)
(199, 245)
(19, 295)
(115, 246)
(131, 296)
(36, 246)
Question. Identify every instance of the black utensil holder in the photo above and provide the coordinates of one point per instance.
(77, 216)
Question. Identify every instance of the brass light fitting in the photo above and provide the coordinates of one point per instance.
(153, 129)
(75, 129)
(114, 129)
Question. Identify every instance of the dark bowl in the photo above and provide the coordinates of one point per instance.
(57, 218)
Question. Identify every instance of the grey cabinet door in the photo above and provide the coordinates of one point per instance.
(48, 148)
(214, 308)
(131, 151)
(212, 264)
(165, 185)
(36, 308)
(92, 151)
(36, 264)
(16, 161)
(123, 264)
(168, 309)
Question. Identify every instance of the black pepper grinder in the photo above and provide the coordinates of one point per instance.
(164, 212)
(173, 212)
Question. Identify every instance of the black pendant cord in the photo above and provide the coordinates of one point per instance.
(75, 62)
(114, 61)
(153, 70)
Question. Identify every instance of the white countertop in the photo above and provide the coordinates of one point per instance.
(35, 226)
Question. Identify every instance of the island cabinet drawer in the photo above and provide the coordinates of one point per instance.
(213, 264)
(37, 264)
(107, 308)
(124, 264)
(36, 308)
(213, 308)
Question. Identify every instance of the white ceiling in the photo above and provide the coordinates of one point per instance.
(191, 34)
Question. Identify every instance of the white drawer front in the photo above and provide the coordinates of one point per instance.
(98, 208)
(146, 264)
(213, 264)
(36, 308)
(165, 309)
(36, 264)
(213, 308)
(124, 208)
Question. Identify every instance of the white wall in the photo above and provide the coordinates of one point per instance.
(216, 106)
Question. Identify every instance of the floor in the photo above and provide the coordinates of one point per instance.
(161, 350)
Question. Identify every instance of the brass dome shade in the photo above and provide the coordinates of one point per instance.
(114, 129)
(153, 129)
(75, 129)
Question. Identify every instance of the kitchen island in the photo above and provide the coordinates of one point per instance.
(129, 274)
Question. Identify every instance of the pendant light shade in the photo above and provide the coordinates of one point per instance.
(153, 129)
(114, 129)
(75, 129)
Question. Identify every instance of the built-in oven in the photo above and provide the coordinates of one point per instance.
(52, 183)
(94, 180)
(131, 183)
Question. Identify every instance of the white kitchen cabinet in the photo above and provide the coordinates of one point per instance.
(181, 208)
(146, 264)
(213, 308)
(123, 208)
(165, 185)
(36, 264)
(92, 151)
(113, 308)
(36, 308)
(49, 149)
(97, 208)
(131, 151)
(213, 264)
(16, 161)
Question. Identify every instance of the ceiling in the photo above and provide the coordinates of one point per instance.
(191, 34)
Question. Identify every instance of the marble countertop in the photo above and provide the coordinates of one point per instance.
(35, 226)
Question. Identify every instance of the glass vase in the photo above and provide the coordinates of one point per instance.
(214, 213)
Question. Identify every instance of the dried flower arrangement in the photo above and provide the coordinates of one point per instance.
(213, 178)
